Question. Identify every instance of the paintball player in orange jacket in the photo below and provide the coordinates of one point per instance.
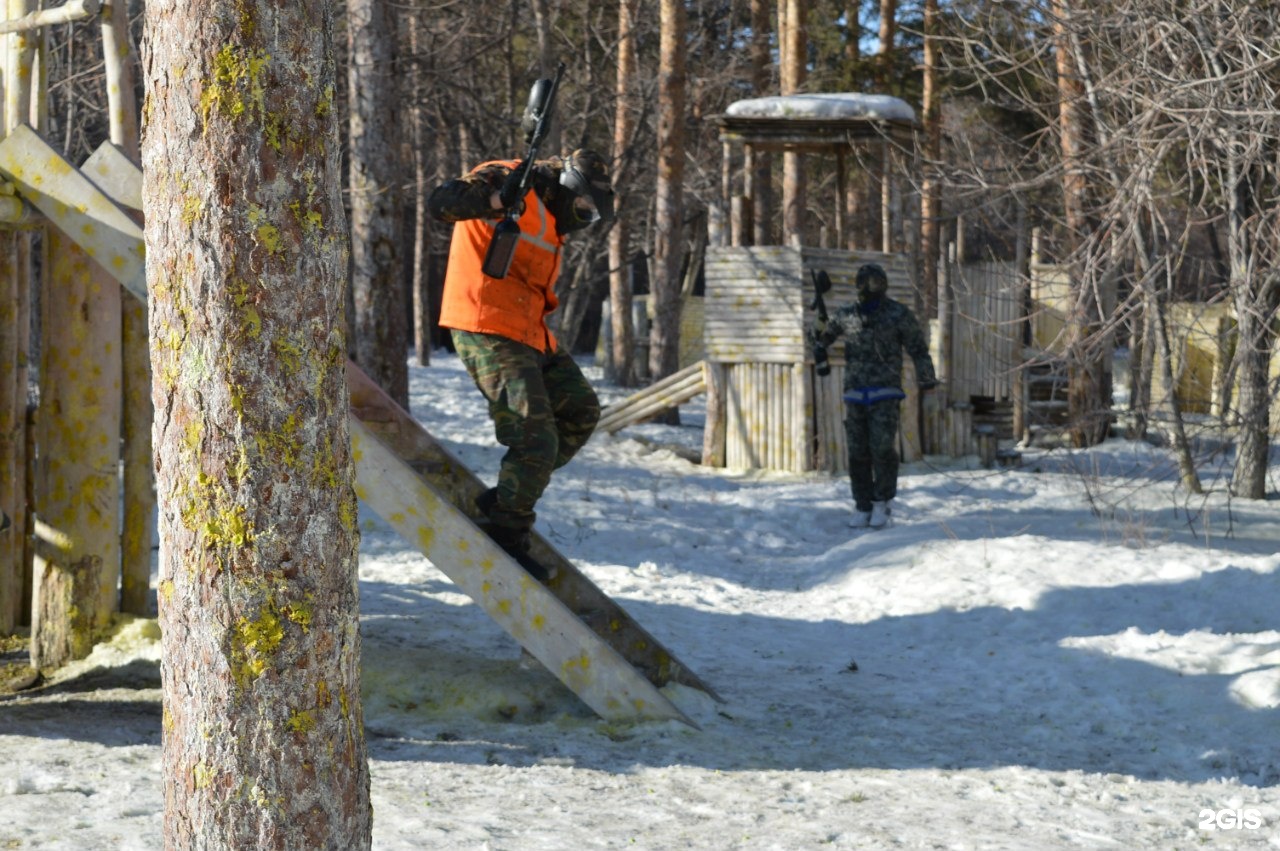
(543, 408)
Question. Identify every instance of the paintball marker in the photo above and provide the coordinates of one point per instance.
(821, 283)
(536, 123)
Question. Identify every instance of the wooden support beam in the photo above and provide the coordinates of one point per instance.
(74, 10)
(76, 206)
(415, 445)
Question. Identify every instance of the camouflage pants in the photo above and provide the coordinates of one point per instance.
(543, 411)
(871, 432)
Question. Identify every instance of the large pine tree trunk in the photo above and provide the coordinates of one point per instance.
(664, 348)
(246, 257)
(381, 326)
(888, 33)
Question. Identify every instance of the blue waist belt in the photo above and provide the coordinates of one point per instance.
(871, 395)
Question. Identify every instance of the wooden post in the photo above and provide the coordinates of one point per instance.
(15, 344)
(803, 429)
(842, 181)
(886, 199)
(726, 173)
(1019, 391)
(62, 620)
(12, 440)
(75, 10)
(713, 432)
(138, 481)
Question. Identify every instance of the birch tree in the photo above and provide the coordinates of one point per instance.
(263, 744)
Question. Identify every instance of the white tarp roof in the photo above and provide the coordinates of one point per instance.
(827, 105)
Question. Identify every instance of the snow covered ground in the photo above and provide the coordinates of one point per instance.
(1072, 654)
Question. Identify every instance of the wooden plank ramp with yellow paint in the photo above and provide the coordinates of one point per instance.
(448, 475)
(576, 631)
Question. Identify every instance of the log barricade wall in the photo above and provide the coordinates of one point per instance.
(777, 412)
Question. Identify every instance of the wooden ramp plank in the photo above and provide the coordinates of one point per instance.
(419, 496)
(417, 447)
(76, 206)
(117, 175)
(522, 606)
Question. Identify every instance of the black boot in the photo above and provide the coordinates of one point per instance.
(487, 500)
(515, 542)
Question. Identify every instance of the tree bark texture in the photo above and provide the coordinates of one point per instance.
(930, 189)
(421, 221)
(761, 171)
(381, 325)
(263, 743)
(888, 32)
(792, 71)
(1256, 293)
(622, 371)
(664, 349)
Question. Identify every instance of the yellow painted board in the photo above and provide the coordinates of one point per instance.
(520, 604)
(117, 175)
(76, 206)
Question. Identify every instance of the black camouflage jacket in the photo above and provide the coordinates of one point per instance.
(873, 344)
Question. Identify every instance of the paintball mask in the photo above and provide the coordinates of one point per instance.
(589, 198)
(871, 282)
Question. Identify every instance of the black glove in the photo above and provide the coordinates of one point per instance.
(926, 386)
(510, 194)
(544, 179)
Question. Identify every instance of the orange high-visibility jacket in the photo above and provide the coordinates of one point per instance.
(516, 306)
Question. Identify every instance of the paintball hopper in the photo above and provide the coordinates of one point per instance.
(540, 99)
(535, 124)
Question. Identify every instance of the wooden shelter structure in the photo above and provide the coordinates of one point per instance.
(766, 405)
